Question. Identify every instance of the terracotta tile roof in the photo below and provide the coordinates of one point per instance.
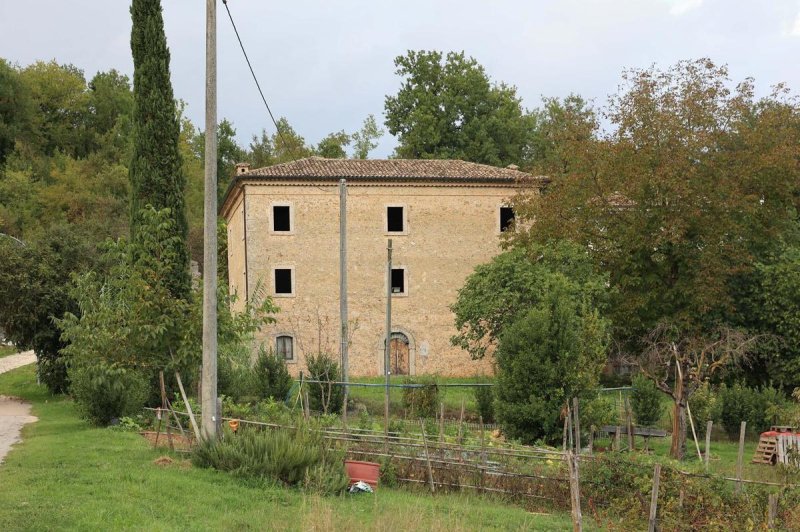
(401, 169)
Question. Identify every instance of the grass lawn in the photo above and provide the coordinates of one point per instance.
(67, 475)
(6, 350)
(373, 397)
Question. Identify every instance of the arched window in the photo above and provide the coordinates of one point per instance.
(284, 346)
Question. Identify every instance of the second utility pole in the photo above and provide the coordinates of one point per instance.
(209, 378)
(343, 288)
(386, 362)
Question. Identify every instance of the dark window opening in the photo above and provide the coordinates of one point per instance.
(284, 347)
(506, 218)
(283, 281)
(281, 220)
(394, 219)
(398, 281)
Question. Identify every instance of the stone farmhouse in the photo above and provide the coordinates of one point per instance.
(444, 217)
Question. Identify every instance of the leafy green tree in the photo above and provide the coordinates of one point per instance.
(333, 145)
(645, 401)
(14, 112)
(34, 288)
(61, 118)
(365, 139)
(689, 182)
(448, 108)
(155, 169)
(282, 146)
(554, 352)
(500, 292)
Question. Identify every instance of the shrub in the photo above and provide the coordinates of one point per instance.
(706, 406)
(645, 401)
(484, 400)
(597, 412)
(759, 407)
(104, 392)
(292, 457)
(235, 374)
(324, 396)
(422, 401)
(553, 353)
(272, 377)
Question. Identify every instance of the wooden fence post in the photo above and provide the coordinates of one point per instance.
(707, 454)
(742, 428)
(651, 524)
(483, 454)
(577, 425)
(441, 422)
(615, 445)
(629, 425)
(772, 511)
(566, 421)
(427, 456)
(575, 492)
(461, 424)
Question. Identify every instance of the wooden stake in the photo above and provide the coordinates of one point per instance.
(566, 421)
(211, 431)
(615, 445)
(569, 427)
(742, 428)
(575, 492)
(629, 425)
(306, 405)
(461, 424)
(577, 425)
(591, 440)
(709, 426)
(772, 511)
(441, 422)
(651, 524)
(427, 456)
(483, 454)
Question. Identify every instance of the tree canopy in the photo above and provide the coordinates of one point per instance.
(448, 108)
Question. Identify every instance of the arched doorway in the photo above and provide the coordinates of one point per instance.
(399, 359)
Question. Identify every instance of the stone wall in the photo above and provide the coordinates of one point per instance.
(450, 230)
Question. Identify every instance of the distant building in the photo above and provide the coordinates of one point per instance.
(444, 218)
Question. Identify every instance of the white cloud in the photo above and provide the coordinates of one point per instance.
(680, 7)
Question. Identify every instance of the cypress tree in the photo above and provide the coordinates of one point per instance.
(155, 171)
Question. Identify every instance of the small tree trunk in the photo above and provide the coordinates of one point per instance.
(678, 446)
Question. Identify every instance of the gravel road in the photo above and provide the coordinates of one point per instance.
(13, 412)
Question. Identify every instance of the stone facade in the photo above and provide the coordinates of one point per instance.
(450, 227)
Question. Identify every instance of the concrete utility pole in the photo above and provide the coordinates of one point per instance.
(386, 361)
(343, 282)
(209, 388)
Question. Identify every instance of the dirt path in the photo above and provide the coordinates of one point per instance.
(13, 412)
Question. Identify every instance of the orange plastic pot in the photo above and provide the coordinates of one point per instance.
(369, 472)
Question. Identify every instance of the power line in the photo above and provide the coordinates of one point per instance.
(258, 85)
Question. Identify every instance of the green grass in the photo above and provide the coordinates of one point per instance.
(67, 475)
(373, 397)
(6, 350)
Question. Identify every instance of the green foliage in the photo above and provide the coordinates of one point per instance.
(760, 407)
(448, 108)
(553, 353)
(324, 396)
(272, 377)
(706, 405)
(104, 392)
(365, 139)
(333, 146)
(422, 401)
(500, 292)
(646, 401)
(597, 411)
(484, 400)
(292, 457)
(34, 281)
(155, 170)
(236, 376)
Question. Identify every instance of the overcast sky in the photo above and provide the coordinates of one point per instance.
(326, 65)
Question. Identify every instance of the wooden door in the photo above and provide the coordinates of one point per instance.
(398, 356)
